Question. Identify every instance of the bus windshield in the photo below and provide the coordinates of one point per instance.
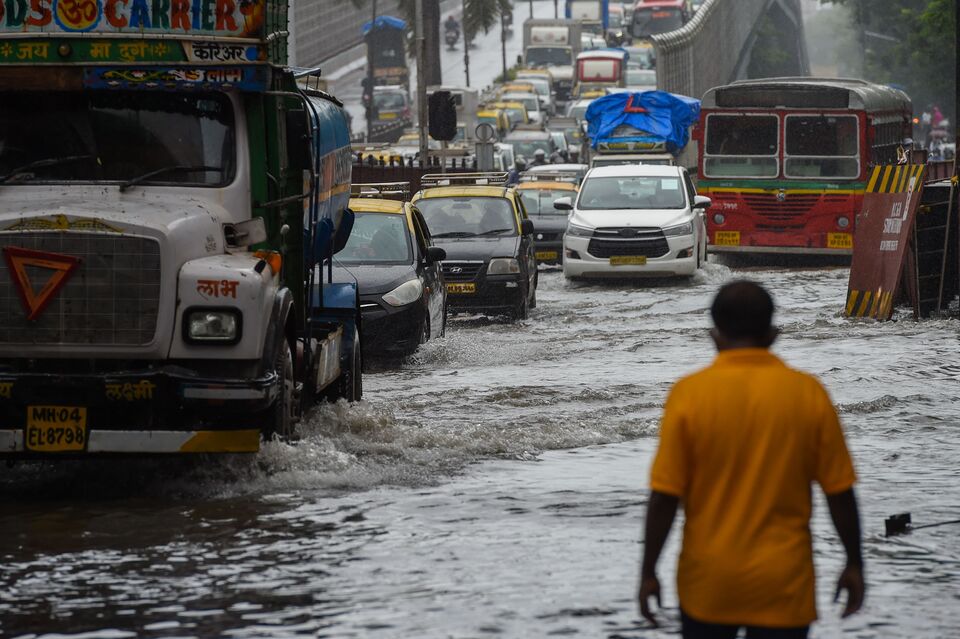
(821, 146)
(660, 20)
(96, 136)
(742, 145)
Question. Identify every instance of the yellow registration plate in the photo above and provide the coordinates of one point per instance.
(56, 429)
(628, 260)
(839, 240)
(547, 255)
(462, 288)
(726, 238)
(388, 116)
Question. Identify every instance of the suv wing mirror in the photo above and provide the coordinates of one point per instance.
(702, 202)
(563, 204)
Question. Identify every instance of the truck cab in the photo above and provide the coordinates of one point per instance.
(168, 196)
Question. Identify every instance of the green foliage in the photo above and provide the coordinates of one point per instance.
(769, 59)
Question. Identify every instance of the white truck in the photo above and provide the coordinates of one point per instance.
(553, 44)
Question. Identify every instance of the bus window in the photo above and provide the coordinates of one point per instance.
(821, 146)
(742, 146)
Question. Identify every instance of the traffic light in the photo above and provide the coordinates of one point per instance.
(443, 116)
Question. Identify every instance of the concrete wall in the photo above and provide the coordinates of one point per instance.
(323, 28)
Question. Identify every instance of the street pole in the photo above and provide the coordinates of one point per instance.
(466, 43)
(503, 44)
(556, 9)
(531, 8)
(369, 87)
(421, 81)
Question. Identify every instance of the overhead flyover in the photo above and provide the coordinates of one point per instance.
(720, 45)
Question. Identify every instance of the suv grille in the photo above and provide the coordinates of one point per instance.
(112, 298)
(628, 242)
(461, 271)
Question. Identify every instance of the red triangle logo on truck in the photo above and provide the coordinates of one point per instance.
(61, 266)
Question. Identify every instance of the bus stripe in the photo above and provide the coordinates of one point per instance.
(864, 303)
(886, 176)
(873, 179)
(851, 302)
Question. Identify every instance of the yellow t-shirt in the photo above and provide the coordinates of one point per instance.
(740, 444)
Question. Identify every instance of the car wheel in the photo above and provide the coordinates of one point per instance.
(425, 331)
(533, 299)
(281, 416)
(443, 327)
(522, 310)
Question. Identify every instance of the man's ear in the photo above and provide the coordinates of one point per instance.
(718, 339)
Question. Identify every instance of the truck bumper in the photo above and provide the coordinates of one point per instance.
(166, 410)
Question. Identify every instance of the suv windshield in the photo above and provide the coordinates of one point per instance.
(468, 216)
(548, 56)
(631, 192)
(377, 239)
(117, 136)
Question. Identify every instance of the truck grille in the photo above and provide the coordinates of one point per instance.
(461, 271)
(628, 242)
(112, 298)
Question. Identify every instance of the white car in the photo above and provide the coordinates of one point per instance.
(635, 221)
(531, 101)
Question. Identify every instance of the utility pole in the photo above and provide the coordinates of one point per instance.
(531, 8)
(421, 81)
(503, 42)
(466, 42)
(556, 9)
(368, 90)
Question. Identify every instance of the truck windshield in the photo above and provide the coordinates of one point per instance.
(633, 192)
(548, 56)
(468, 216)
(650, 21)
(117, 136)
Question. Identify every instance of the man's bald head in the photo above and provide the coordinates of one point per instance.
(742, 312)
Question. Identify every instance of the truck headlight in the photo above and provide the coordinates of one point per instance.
(407, 293)
(579, 231)
(212, 325)
(503, 266)
(680, 229)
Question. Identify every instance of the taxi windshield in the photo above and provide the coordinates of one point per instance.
(95, 136)
(377, 238)
(468, 216)
(540, 201)
(631, 192)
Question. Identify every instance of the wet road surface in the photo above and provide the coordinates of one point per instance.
(492, 486)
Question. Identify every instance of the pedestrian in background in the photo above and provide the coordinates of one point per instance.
(740, 444)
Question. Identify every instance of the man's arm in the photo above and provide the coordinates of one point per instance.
(661, 511)
(846, 519)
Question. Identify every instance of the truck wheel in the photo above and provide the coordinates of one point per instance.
(349, 385)
(281, 417)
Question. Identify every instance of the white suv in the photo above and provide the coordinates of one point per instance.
(635, 221)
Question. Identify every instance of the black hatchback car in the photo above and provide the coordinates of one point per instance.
(481, 223)
(398, 271)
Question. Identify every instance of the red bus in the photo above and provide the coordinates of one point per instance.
(786, 160)
(659, 16)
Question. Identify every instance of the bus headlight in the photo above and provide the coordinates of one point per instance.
(719, 218)
(407, 293)
(843, 222)
(503, 266)
(212, 326)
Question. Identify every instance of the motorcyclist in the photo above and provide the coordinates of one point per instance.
(539, 158)
(451, 24)
(513, 175)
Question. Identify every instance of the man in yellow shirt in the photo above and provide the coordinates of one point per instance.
(740, 444)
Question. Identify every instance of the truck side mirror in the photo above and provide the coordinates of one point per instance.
(526, 227)
(299, 153)
(435, 254)
(343, 231)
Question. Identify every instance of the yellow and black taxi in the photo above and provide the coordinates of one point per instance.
(397, 268)
(482, 224)
(539, 191)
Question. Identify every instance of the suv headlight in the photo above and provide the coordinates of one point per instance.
(212, 325)
(680, 229)
(406, 293)
(503, 266)
(579, 231)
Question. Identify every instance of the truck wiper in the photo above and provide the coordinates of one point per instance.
(177, 168)
(455, 234)
(19, 171)
(494, 232)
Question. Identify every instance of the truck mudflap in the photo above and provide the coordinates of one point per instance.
(167, 410)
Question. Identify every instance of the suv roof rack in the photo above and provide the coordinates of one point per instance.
(451, 179)
(381, 190)
(552, 176)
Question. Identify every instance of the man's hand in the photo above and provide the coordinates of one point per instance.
(649, 587)
(851, 580)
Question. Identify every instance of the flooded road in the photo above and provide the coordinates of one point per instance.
(494, 486)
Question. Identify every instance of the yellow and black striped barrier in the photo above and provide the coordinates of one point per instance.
(894, 179)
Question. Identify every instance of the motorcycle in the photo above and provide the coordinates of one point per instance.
(451, 37)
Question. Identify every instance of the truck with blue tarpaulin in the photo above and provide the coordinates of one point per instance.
(171, 197)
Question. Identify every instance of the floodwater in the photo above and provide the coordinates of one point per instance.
(493, 486)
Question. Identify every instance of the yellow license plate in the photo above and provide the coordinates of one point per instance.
(461, 288)
(839, 240)
(56, 429)
(547, 255)
(628, 260)
(726, 238)
(388, 116)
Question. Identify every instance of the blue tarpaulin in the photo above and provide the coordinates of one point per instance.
(649, 116)
(382, 22)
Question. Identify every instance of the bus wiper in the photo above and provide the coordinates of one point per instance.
(494, 232)
(455, 234)
(177, 168)
(19, 171)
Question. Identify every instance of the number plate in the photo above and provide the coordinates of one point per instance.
(839, 240)
(547, 255)
(628, 260)
(462, 288)
(388, 116)
(56, 429)
(726, 238)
